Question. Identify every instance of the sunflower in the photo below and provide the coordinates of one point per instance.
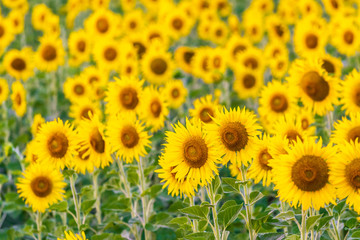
(83, 109)
(50, 54)
(205, 109)
(317, 89)
(183, 57)
(247, 83)
(234, 24)
(4, 90)
(157, 66)
(277, 29)
(260, 169)
(309, 38)
(275, 49)
(331, 64)
(287, 127)
(288, 11)
(94, 75)
(92, 142)
(235, 132)
(347, 37)
(333, 7)
(101, 23)
(191, 153)
(127, 137)
(302, 176)
(350, 92)
(71, 236)
(264, 6)
(200, 64)
(31, 155)
(175, 92)
(306, 118)
(38, 120)
(154, 108)
(252, 58)
(253, 27)
(76, 88)
(234, 47)
(40, 14)
(124, 95)
(16, 17)
(56, 143)
(217, 61)
(129, 68)
(99, 4)
(223, 7)
(13, 3)
(219, 32)
(154, 31)
(276, 101)
(79, 45)
(128, 5)
(133, 21)
(52, 26)
(18, 98)
(235, 171)
(19, 64)
(6, 33)
(279, 67)
(309, 8)
(107, 54)
(345, 174)
(41, 186)
(347, 130)
(184, 188)
(139, 43)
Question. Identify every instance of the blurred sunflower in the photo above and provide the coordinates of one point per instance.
(50, 54)
(107, 55)
(4, 90)
(127, 137)
(124, 95)
(6, 33)
(235, 171)
(183, 57)
(247, 83)
(155, 31)
(76, 88)
(235, 131)
(191, 153)
(38, 120)
(18, 98)
(253, 27)
(302, 176)
(333, 7)
(277, 29)
(31, 156)
(56, 143)
(175, 92)
(19, 64)
(133, 21)
(41, 186)
(345, 174)
(234, 47)
(219, 32)
(83, 109)
(40, 14)
(16, 17)
(307, 119)
(347, 37)
(347, 130)
(350, 92)
(79, 45)
(331, 64)
(252, 58)
(101, 23)
(205, 109)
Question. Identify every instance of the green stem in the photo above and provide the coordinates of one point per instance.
(76, 201)
(311, 213)
(97, 197)
(195, 222)
(144, 201)
(335, 226)
(216, 229)
(38, 224)
(303, 224)
(283, 209)
(248, 209)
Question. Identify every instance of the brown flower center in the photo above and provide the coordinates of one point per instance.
(315, 86)
(93, 79)
(18, 99)
(279, 103)
(195, 152)
(217, 62)
(155, 108)
(57, 145)
(133, 25)
(85, 113)
(251, 63)
(354, 134)
(205, 64)
(102, 25)
(352, 173)
(206, 114)
(234, 136)
(18, 64)
(357, 96)
(97, 142)
(264, 158)
(81, 45)
(49, 53)
(279, 30)
(129, 98)
(175, 93)
(154, 35)
(310, 173)
(349, 37)
(311, 41)
(82, 153)
(276, 52)
(328, 66)
(79, 89)
(177, 23)
(304, 124)
(219, 32)
(158, 66)
(2, 31)
(41, 186)
(292, 136)
(334, 4)
(249, 81)
(141, 49)
(239, 48)
(129, 137)
(188, 55)
(110, 54)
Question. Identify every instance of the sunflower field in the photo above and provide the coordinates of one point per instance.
(179, 119)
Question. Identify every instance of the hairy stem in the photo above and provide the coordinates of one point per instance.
(76, 201)
(303, 224)
(144, 200)
(216, 228)
(97, 197)
(38, 224)
(246, 199)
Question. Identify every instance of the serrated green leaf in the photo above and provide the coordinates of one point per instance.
(87, 205)
(153, 191)
(67, 173)
(324, 221)
(202, 225)
(340, 207)
(293, 237)
(3, 179)
(199, 236)
(196, 211)
(229, 215)
(230, 185)
(100, 236)
(351, 223)
(60, 207)
(255, 196)
(312, 221)
(271, 236)
(216, 183)
(179, 221)
(227, 204)
(355, 235)
(286, 215)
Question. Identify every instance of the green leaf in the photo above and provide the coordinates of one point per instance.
(67, 173)
(87, 205)
(286, 215)
(133, 176)
(196, 211)
(3, 179)
(179, 221)
(202, 225)
(293, 237)
(227, 204)
(312, 221)
(271, 236)
(340, 207)
(216, 183)
(84, 227)
(218, 197)
(324, 221)
(351, 223)
(356, 234)
(230, 185)
(200, 236)
(229, 215)
(100, 236)
(153, 191)
(60, 207)
(255, 196)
